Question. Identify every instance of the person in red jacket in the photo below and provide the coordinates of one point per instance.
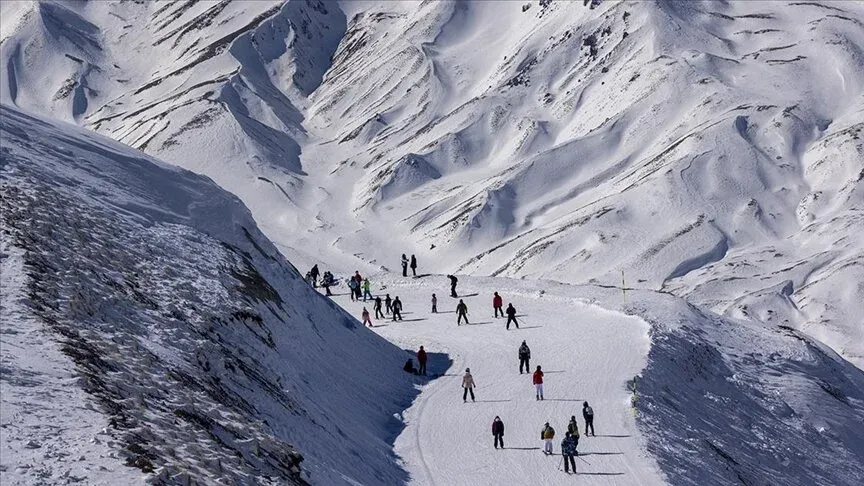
(538, 383)
(498, 431)
(497, 304)
(421, 358)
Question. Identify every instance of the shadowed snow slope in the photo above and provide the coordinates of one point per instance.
(711, 149)
(205, 356)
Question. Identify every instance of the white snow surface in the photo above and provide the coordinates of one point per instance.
(706, 155)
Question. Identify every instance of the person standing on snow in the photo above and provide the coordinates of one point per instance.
(367, 293)
(461, 312)
(453, 281)
(388, 304)
(588, 415)
(352, 287)
(326, 282)
(404, 265)
(568, 450)
(434, 304)
(421, 359)
(546, 435)
(397, 309)
(524, 358)
(498, 431)
(414, 265)
(366, 320)
(377, 307)
(511, 316)
(467, 385)
(314, 273)
(538, 382)
(497, 304)
(573, 428)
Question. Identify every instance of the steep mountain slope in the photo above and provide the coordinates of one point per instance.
(706, 148)
(204, 355)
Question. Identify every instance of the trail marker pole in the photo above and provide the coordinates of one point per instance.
(623, 287)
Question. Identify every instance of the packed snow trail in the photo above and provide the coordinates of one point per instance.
(587, 354)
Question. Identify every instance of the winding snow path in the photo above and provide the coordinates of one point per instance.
(588, 353)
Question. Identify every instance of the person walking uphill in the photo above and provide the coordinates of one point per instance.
(497, 304)
(377, 307)
(397, 309)
(467, 385)
(453, 281)
(314, 273)
(434, 304)
(421, 359)
(511, 316)
(588, 415)
(461, 312)
(498, 431)
(404, 265)
(568, 450)
(538, 383)
(413, 265)
(524, 358)
(388, 304)
(546, 435)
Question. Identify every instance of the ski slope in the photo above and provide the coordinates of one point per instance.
(586, 352)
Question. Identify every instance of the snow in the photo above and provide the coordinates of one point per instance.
(705, 155)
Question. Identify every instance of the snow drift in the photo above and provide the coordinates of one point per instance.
(206, 355)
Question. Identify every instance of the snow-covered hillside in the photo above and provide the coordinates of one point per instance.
(204, 356)
(706, 148)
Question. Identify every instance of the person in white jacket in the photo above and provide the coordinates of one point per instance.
(467, 385)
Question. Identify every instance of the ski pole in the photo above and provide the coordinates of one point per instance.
(580, 457)
(560, 462)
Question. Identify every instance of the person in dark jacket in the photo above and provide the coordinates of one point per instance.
(453, 281)
(498, 431)
(421, 358)
(413, 265)
(511, 316)
(524, 358)
(327, 281)
(573, 428)
(388, 304)
(315, 273)
(461, 313)
(588, 415)
(397, 308)
(568, 450)
(377, 307)
(404, 265)
(409, 367)
(497, 305)
(434, 304)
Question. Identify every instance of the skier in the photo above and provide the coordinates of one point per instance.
(404, 265)
(461, 312)
(568, 450)
(397, 309)
(366, 319)
(538, 383)
(377, 307)
(573, 428)
(546, 435)
(367, 293)
(524, 358)
(327, 281)
(434, 304)
(352, 287)
(314, 272)
(511, 316)
(409, 367)
(498, 431)
(421, 358)
(388, 304)
(467, 385)
(497, 304)
(414, 265)
(588, 415)
(453, 281)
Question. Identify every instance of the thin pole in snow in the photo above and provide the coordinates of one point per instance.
(623, 287)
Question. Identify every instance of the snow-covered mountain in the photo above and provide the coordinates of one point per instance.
(706, 153)
(204, 356)
(706, 148)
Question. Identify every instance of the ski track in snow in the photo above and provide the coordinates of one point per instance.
(588, 354)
